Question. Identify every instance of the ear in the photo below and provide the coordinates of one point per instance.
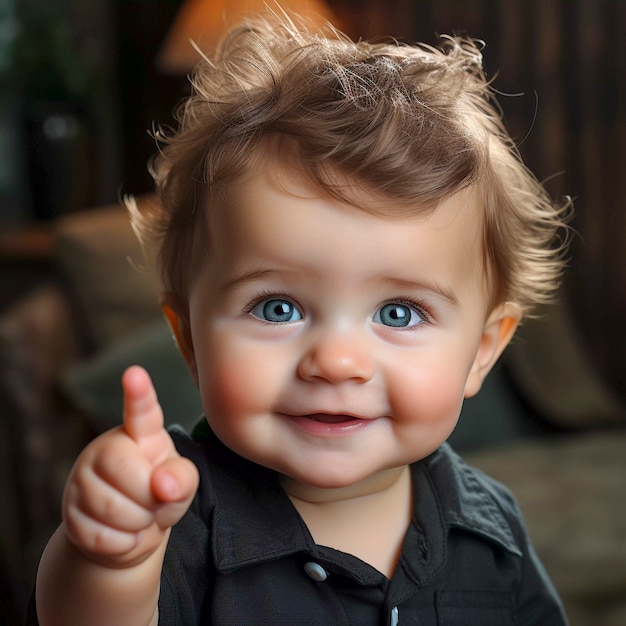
(497, 333)
(177, 316)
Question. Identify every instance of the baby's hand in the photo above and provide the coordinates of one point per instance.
(129, 485)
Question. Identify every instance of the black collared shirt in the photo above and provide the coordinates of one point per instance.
(243, 555)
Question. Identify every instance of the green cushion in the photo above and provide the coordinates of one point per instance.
(94, 386)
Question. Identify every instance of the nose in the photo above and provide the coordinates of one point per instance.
(335, 359)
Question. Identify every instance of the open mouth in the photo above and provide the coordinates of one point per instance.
(327, 418)
(329, 424)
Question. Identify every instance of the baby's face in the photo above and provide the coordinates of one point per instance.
(330, 344)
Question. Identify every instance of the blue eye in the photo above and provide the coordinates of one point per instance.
(277, 311)
(398, 315)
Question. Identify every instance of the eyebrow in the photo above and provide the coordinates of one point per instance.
(246, 277)
(412, 285)
(396, 283)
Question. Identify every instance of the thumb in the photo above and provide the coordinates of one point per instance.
(174, 483)
(175, 480)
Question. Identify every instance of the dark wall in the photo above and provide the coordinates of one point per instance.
(147, 97)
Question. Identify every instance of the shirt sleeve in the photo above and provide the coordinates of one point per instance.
(538, 603)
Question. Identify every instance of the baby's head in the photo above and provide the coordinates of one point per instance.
(347, 240)
(411, 124)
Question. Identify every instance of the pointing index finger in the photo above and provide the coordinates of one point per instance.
(143, 417)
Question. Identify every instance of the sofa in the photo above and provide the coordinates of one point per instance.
(545, 424)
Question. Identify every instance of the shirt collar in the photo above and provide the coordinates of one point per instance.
(254, 521)
(469, 499)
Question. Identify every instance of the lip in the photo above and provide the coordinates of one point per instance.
(329, 424)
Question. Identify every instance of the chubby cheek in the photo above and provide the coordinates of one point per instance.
(428, 399)
(235, 381)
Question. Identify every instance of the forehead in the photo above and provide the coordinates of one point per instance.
(287, 174)
(280, 213)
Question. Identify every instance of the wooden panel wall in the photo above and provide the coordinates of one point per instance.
(568, 59)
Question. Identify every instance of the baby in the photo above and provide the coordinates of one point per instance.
(347, 240)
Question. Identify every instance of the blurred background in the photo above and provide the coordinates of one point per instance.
(82, 85)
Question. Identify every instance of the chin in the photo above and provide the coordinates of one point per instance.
(328, 480)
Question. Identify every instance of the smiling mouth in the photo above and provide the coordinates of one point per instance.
(329, 424)
(328, 418)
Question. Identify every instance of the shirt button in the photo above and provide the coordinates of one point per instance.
(393, 618)
(315, 571)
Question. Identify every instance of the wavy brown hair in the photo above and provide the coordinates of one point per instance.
(412, 123)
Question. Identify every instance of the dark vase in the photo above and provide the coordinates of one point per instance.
(59, 157)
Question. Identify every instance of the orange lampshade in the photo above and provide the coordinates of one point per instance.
(205, 21)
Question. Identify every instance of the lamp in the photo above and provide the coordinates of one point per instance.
(205, 21)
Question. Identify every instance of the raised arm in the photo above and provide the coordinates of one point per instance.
(125, 491)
